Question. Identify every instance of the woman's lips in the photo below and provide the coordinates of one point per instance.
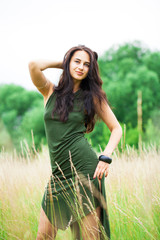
(79, 73)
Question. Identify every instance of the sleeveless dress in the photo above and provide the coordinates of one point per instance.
(71, 192)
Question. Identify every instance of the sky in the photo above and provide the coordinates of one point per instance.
(45, 30)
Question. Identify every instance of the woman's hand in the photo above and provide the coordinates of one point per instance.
(101, 168)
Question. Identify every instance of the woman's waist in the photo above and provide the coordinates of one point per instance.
(80, 153)
(76, 145)
(64, 143)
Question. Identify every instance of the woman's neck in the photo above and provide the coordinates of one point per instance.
(76, 87)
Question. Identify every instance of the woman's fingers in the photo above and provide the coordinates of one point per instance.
(106, 172)
(101, 173)
(101, 168)
(96, 171)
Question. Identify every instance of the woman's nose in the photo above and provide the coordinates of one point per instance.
(80, 66)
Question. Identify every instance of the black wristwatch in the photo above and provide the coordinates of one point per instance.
(105, 159)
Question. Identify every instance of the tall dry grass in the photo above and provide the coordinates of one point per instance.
(132, 189)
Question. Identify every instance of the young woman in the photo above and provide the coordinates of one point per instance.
(70, 111)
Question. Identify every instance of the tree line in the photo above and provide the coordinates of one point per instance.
(124, 69)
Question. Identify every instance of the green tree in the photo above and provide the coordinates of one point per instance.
(5, 139)
(152, 132)
(33, 121)
(16, 102)
(125, 70)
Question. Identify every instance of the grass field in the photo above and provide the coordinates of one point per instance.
(133, 194)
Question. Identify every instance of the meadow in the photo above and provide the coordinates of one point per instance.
(133, 194)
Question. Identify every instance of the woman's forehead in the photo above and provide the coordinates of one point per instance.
(82, 55)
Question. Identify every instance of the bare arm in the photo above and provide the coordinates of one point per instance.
(110, 120)
(38, 78)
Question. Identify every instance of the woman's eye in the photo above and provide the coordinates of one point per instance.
(76, 61)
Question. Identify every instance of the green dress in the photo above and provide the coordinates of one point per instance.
(71, 192)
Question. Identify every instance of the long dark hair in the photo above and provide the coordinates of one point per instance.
(91, 86)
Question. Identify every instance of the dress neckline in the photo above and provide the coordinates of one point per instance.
(76, 91)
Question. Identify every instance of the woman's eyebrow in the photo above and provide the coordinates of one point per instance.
(80, 60)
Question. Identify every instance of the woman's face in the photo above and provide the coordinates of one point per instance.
(79, 65)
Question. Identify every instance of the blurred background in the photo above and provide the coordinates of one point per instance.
(126, 36)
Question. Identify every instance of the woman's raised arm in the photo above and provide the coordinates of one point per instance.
(38, 78)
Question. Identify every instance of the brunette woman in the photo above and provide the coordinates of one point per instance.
(75, 195)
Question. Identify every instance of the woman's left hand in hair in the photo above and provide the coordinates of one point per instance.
(102, 168)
